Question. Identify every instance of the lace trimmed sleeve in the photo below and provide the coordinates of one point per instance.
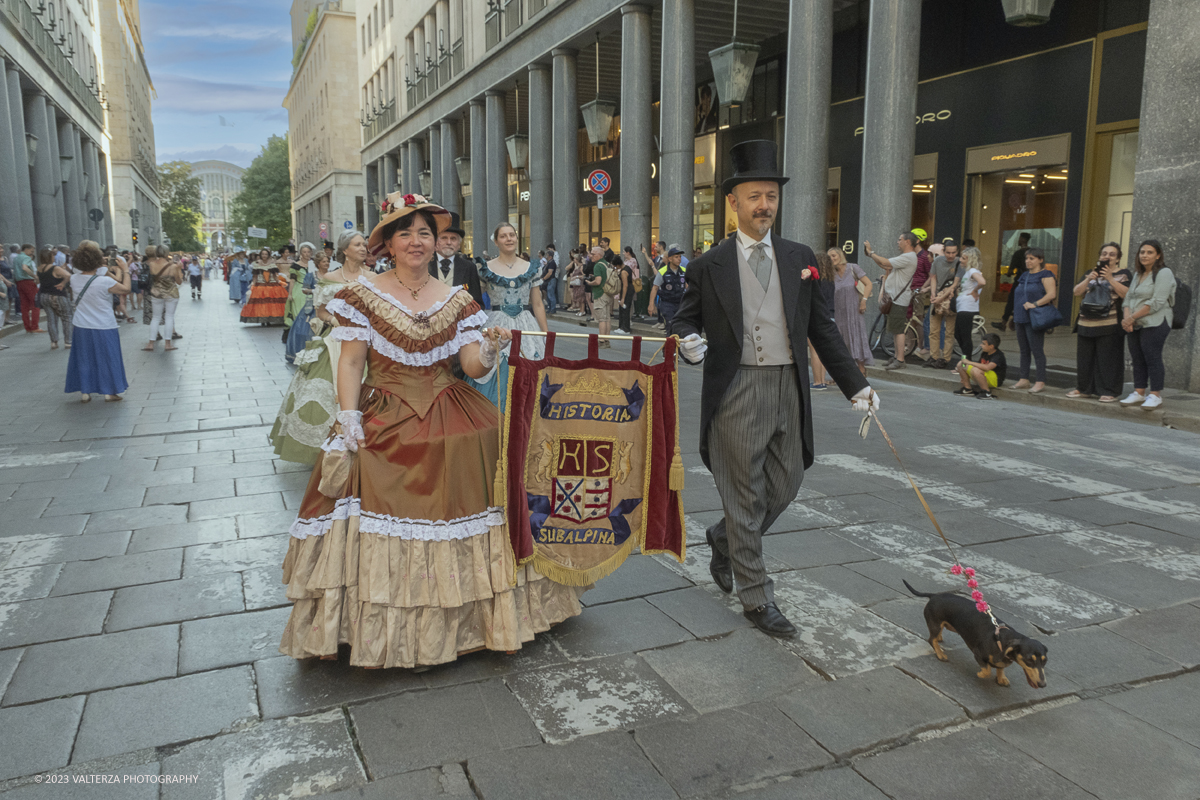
(353, 325)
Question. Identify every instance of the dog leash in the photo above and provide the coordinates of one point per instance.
(958, 569)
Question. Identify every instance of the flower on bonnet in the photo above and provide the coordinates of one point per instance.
(396, 200)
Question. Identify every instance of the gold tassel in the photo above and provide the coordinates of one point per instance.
(676, 480)
(500, 486)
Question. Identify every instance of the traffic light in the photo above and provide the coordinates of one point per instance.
(135, 238)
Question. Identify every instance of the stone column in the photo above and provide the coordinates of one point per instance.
(435, 165)
(47, 216)
(106, 203)
(451, 187)
(56, 171)
(81, 181)
(497, 160)
(95, 229)
(889, 133)
(541, 148)
(388, 184)
(479, 217)
(417, 154)
(12, 153)
(369, 189)
(71, 180)
(24, 192)
(1166, 184)
(806, 135)
(677, 148)
(565, 177)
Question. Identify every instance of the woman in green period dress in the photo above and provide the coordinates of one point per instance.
(310, 404)
(297, 272)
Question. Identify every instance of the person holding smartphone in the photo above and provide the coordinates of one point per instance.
(1100, 344)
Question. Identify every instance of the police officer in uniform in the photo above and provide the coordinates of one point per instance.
(669, 285)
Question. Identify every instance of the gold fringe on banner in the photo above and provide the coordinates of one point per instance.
(582, 577)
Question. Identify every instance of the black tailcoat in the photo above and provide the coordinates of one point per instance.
(465, 274)
(712, 307)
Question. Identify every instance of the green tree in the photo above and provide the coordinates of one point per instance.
(266, 197)
(179, 191)
(309, 26)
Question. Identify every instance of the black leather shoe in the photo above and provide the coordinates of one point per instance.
(719, 566)
(770, 620)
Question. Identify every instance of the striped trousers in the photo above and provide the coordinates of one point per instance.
(756, 448)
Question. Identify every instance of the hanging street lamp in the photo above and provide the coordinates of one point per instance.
(733, 67)
(598, 114)
(518, 143)
(1027, 13)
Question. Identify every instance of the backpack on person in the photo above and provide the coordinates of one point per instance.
(612, 281)
(1182, 307)
(1097, 302)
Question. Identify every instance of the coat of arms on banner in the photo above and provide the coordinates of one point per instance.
(591, 463)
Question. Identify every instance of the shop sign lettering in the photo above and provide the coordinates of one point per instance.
(931, 116)
(1007, 156)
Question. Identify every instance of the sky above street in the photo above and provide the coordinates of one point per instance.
(213, 59)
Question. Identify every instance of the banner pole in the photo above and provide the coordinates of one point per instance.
(608, 336)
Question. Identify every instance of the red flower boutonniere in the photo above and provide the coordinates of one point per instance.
(806, 274)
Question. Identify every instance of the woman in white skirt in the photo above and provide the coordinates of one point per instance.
(96, 366)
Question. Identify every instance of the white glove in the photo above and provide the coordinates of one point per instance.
(866, 400)
(488, 350)
(352, 430)
(692, 348)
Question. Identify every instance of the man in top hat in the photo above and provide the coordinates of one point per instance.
(755, 297)
(451, 267)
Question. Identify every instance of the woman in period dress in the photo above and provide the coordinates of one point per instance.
(297, 271)
(513, 285)
(236, 266)
(400, 550)
(268, 293)
(303, 283)
(310, 403)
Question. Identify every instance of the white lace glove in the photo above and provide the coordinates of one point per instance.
(692, 348)
(352, 430)
(488, 351)
(866, 400)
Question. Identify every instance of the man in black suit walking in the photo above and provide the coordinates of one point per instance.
(754, 296)
(451, 267)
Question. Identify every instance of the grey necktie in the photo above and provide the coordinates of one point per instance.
(761, 264)
(445, 267)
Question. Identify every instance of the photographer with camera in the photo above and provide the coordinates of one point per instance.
(1100, 345)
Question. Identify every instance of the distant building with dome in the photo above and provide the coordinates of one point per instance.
(220, 182)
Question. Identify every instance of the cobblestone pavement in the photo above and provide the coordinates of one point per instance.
(140, 612)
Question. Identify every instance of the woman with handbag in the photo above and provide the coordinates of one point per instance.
(851, 288)
(1100, 343)
(165, 277)
(52, 297)
(1147, 317)
(95, 366)
(1034, 313)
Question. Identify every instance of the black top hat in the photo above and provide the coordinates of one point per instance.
(455, 226)
(754, 160)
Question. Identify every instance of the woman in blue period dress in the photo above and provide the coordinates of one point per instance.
(310, 402)
(301, 329)
(401, 550)
(513, 285)
(237, 268)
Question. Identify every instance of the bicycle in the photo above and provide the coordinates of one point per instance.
(880, 339)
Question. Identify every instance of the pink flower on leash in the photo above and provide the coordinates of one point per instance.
(974, 584)
(969, 572)
(977, 595)
(956, 570)
(982, 606)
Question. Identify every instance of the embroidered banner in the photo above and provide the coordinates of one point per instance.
(591, 461)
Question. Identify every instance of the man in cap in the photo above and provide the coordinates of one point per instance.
(755, 297)
(669, 285)
(451, 267)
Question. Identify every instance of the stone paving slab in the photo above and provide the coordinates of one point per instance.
(446, 781)
(582, 699)
(957, 680)
(268, 523)
(28, 583)
(601, 767)
(835, 784)
(164, 712)
(637, 577)
(1174, 632)
(485, 664)
(423, 729)
(287, 686)
(175, 601)
(166, 537)
(94, 662)
(45, 528)
(804, 549)
(621, 627)
(8, 665)
(62, 549)
(1096, 657)
(132, 519)
(235, 556)
(152, 479)
(109, 500)
(972, 763)
(729, 748)
(189, 492)
(1172, 706)
(744, 667)
(231, 639)
(38, 737)
(263, 587)
(52, 618)
(110, 573)
(699, 611)
(854, 714)
(83, 486)
(847, 583)
(1151, 763)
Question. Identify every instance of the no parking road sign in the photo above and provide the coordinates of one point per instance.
(599, 182)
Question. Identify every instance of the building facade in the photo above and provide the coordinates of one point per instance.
(135, 203)
(323, 128)
(220, 182)
(959, 118)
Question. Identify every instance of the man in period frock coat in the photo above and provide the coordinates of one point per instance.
(450, 266)
(754, 297)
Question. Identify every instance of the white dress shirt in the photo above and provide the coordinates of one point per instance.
(746, 245)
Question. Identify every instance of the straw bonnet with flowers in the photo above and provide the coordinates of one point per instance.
(401, 550)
